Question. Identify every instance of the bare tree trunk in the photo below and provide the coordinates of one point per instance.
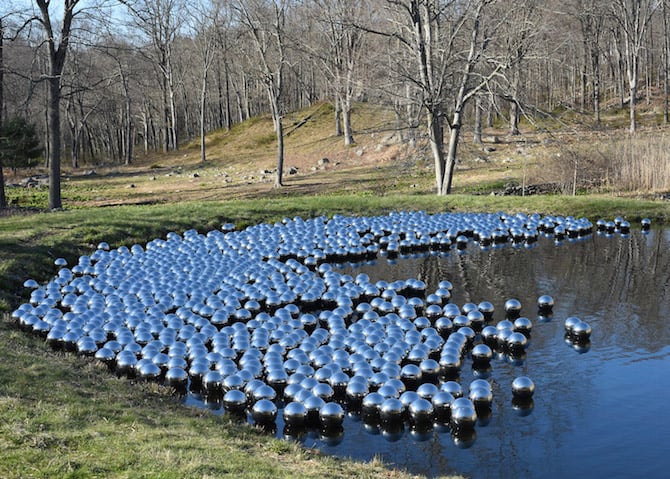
(478, 121)
(229, 119)
(338, 116)
(53, 114)
(129, 133)
(666, 60)
(454, 136)
(3, 198)
(346, 121)
(203, 104)
(174, 133)
(280, 154)
(436, 140)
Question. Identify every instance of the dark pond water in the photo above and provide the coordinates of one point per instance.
(598, 411)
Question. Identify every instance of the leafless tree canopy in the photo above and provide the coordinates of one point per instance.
(108, 80)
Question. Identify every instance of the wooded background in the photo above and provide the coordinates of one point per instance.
(108, 80)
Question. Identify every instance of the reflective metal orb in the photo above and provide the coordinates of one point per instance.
(235, 401)
(392, 411)
(523, 387)
(331, 415)
(421, 412)
(545, 304)
(512, 308)
(295, 414)
(264, 412)
(463, 416)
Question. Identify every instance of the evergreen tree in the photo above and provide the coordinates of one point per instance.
(20, 145)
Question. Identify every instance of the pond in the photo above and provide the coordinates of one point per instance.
(597, 410)
(226, 315)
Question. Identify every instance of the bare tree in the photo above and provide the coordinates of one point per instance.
(3, 198)
(591, 15)
(206, 22)
(446, 44)
(265, 23)
(344, 42)
(633, 16)
(57, 41)
(160, 22)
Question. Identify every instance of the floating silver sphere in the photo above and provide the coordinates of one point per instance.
(427, 390)
(512, 308)
(331, 415)
(106, 356)
(453, 388)
(444, 326)
(212, 383)
(581, 331)
(421, 411)
(264, 412)
(523, 387)
(517, 342)
(295, 414)
(370, 407)
(646, 224)
(324, 391)
(392, 412)
(176, 378)
(523, 325)
(490, 335)
(570, 323)
(411, 376)
(408, 397)
(545, 304)
(147, 370)
(463, 416)
(442, 401)
(481, 396)
(313, 404)
(125, 363)
(486, 309)
(481, 355)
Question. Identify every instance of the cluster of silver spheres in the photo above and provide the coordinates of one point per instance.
(619, 225)
(261, 321)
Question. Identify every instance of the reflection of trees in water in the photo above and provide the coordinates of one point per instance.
(619, 285)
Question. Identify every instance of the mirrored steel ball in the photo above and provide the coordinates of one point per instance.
(453, 388)
(512, 308)
(295, 414)
(442, 401)
(370, 407)
(517, 342)
(481, 355)
(264, 412)
(177, 378)
(570, 323)
(581, 331)
(545, 304)
(523, 325)
(391, 412)
(331, 415)
(523, 387)
(463, 416)
(421, 411)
